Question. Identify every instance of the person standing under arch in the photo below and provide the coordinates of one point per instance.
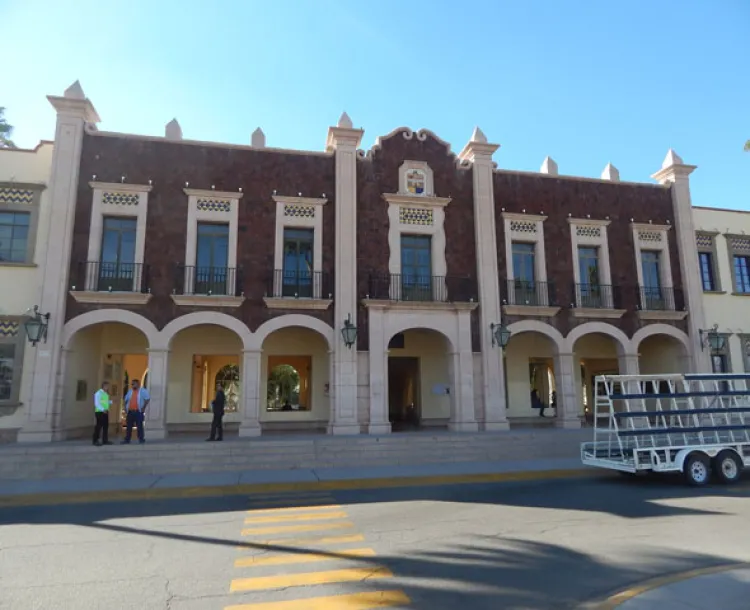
(217, 406)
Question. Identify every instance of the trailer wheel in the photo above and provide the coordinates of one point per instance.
(728, 466)
(697, 469)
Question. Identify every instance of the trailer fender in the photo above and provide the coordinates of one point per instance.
(682, 455)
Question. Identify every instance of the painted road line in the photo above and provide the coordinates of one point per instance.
(355, 601)
(296, 542)
(277, 560)
(300, 517)
(290, 529)
(288, 503)
(292, 509)
(304, 579)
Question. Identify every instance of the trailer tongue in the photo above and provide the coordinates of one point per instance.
(695, 424)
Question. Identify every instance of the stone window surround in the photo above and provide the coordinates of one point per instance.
(33, 210)
(100, 210)
(601, 243)
(732, 252)
(662, 247)
(536, 238)
(19, 340)
(230, 217)
(436, 231)
(714, 259)
(298, 222)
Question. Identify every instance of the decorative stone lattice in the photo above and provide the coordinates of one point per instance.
(740, 244)
(415, 216)
(214, 205)
(115, 198)
(9, 328)
(588, 231)
(11, 195)
(704, 241)
(294, 210)
(650, 236)
(522, 226)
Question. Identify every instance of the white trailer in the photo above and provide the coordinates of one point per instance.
(696, 424)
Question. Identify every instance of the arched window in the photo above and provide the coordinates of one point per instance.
(229, 378)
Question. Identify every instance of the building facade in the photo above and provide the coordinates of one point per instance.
(24, 225)
(349, 290)
(723, 244)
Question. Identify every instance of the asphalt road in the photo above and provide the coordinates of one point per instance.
(532, 545)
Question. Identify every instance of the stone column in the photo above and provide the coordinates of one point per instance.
(628, 364)
(74, 110)
(568, 401)
(158, 379)
(463, 418)
(379, 421)
(251, 393)
(675, 172)
(343, 141)
(55, 416)
(479, 152)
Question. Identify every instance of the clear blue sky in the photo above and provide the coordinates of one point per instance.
(584, 81)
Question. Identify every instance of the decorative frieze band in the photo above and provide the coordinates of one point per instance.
(119, 198)
(14, 195)
(416, 216)
(739, 243)
(588, 231)
(294, 210)
(213, 205)
(650, 236)
(704, 241)
(9, 328)
(523, 226)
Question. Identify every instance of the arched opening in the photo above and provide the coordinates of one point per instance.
(295, 380)
(530, 378)
(420, 380)
(595, 354)
(661, 354)
(200, 357)
(114, 352)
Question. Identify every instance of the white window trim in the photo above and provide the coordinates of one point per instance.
(436, 231)
(293, 222)
(662, 247)
(602, 244)
(220, 217)
(536, 238)
(100, 210)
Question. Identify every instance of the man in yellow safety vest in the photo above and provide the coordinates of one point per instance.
(101, 411)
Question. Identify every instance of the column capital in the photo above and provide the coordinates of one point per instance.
(75, 103)
(343, 135)
(673, 168)
(158, 350)
(255, 352)
(478, 148)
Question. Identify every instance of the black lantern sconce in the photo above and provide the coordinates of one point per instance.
(712, 339)
(500, 335)
(36, 326)
(349, 332)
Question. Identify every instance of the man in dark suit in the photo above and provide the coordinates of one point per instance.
(217, 406)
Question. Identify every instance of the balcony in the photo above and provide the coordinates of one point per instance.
(522, 298)
(597, 301)
(426, 291)
(657, 303)
(208, 286)
(289, 289)
(111, 283)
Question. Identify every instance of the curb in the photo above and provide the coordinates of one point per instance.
(618, 599)
(51, 499)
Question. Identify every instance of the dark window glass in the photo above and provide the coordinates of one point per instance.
(14, 236)
(7, 368)
(211, 258)
(742, 273)
(298, 263)
(416, 267)
(707, 271)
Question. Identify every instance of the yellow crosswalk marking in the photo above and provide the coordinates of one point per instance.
(277, 560)
(289, 509)
(293, 517)
(284, 529)
(292, 502)
(291, 542)
(355, 601)
(282, 581)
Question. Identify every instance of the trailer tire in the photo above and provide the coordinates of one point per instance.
(697, 469)
(728, 467)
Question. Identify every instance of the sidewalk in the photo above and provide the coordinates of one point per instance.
(716, 588)
(15, 492)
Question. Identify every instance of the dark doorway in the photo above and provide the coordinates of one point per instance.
(404, 410)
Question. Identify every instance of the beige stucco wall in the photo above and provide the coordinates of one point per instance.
(298, 342)
(84, 364)
(662, 355)
(432, 349)
(28, 167)
(520, 351)
(731, 312)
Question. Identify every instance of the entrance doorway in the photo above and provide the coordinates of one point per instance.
(404, 405)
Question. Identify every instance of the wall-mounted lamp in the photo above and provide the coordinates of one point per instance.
(349, 332)
(36, 327)
(712, 339)
(500, 335)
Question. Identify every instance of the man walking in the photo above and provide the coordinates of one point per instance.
(217, 405)
(136, 402)
(101, 412)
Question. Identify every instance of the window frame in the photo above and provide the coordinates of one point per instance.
(18, 340)
(31, 208)
(712, 252)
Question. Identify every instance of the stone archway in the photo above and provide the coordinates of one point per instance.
(662, 349)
